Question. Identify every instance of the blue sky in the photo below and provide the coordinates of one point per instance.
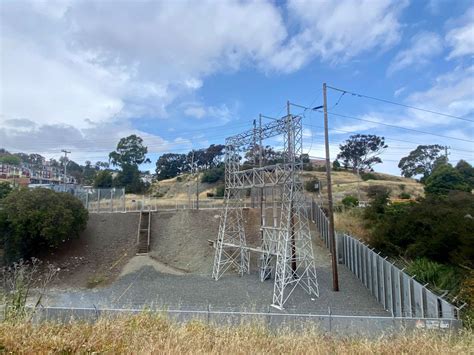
(185, 74)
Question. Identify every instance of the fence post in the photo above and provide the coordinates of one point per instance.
(87, 199)
(98, 200)
(112, 194)
(123, 201)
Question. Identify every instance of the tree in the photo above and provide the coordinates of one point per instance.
(130, 151)
(75, 170)
(170, 165)
(5, 189)
(361, 151)
(36, 159)
(10, 159)
(269, 156)
(32, 221)
(129, 178)
(444, 179)
(439, 228)
(89, 173)
(213, 175)
(102, 165)
(467, 171)
(103, 179)
(422, 161)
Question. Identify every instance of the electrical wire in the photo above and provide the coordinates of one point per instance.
(399, 104)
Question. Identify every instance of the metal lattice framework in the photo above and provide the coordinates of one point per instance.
(286, 248)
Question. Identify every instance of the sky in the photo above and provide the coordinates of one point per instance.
(79, 75)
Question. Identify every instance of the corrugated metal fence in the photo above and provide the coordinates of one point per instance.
(397, 291)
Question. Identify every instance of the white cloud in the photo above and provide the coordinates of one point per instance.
(81, 70)
(195, 111)
(338, 31)
(461, 38)
(399, 91)
(198, 110)
(423, 47)
(451, 93)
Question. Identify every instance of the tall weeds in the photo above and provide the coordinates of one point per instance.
(146, 333)
(17, 282)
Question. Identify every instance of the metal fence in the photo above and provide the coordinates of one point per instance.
(397, 291)
(115, 200)
(371, 326)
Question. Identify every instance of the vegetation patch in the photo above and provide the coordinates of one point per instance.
(150, 333)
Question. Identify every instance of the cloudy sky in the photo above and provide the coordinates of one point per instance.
(184, 74)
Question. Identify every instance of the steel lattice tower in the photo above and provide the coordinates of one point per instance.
(287, 245)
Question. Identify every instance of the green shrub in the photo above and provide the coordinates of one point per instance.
(179, 179)
(5, 189)
(210, 194)
(445, 179)
(312, 185)
(33, 221)
(439, 228)
(220, 190)
(374, 191)
(442, 277)
(369, 176)
(350, 201)
(213, 175)
(404, 196)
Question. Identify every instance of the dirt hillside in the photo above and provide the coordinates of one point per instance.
(180, 239)
(100, 252)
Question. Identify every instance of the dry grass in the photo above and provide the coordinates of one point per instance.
(351, 222)
(148, 333)
(346, 183)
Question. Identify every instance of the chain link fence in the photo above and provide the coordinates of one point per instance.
(372, 326)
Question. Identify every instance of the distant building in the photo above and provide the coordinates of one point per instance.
(317, 162)
(26, 174)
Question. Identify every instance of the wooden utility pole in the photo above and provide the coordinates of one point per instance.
(260, 164)
(65, 165)
(332, 237)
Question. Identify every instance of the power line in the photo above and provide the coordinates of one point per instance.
(400, 127)
(390, 138)
(399, 104)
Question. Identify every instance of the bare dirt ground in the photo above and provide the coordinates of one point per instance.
(100, 252)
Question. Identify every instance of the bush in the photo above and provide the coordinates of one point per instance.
(33, 221)
(404, 196)
(442, 277)
(445, 179)
(374, 191)
(220, 190)
(213, 175)
(369, 176)
(210, 194)
(350, 201)
(5, 189)
(439, 228)
(312, 185)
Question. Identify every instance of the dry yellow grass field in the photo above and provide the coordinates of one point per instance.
(148, 333)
